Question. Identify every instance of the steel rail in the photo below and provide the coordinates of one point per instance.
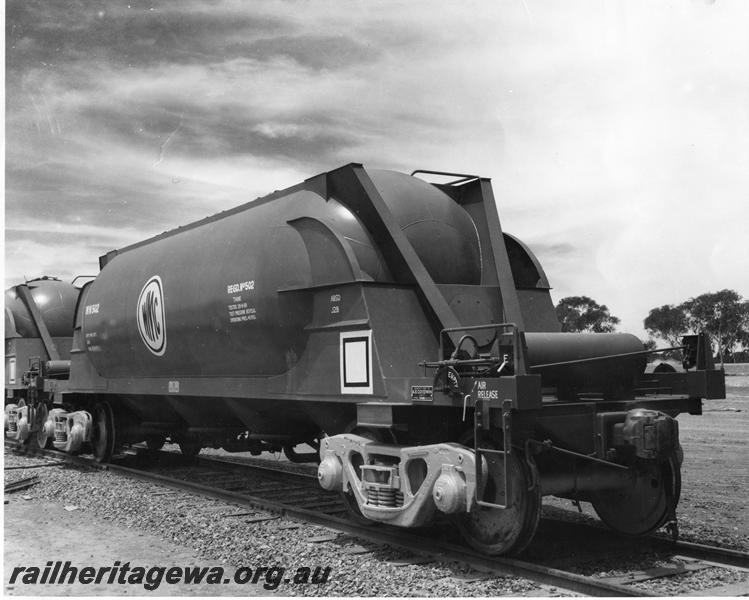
(41, 466)
(396, 537)
(712, 554)
(252, 465)
(401, 539)
(20, 484)
(657, 542)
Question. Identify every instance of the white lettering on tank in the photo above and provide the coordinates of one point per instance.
(242, 286)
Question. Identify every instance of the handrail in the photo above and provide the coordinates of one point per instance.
(462, 177)
(77, 277)
(607, 357)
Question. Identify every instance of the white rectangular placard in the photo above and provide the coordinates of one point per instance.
(356, 362)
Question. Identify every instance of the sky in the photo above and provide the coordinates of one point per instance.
(616, 133)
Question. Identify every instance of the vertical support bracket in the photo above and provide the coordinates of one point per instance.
(510, 300)
(359, 194)
(482, 421)
(477, 198)
(36, 316)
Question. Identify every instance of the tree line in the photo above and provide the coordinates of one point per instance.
(723, 315)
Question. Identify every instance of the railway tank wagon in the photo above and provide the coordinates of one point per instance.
(389, 323)
(39, 317)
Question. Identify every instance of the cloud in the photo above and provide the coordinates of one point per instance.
(313, 51)
(136, 33)
(616, 133)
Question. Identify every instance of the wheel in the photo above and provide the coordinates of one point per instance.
(42, 438)
(150, 454)
(24, 436)
(645, 505)
(502, 531)
(103, 432)
(190, 448)
(354, 512)
(303, 457)
(155, 443)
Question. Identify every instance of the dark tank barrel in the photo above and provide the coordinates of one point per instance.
(54, 299)
(218, 297)
(216, 287)
(39, 318)
(575, 363)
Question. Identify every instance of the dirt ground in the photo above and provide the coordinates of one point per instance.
(84, 540)
(714, 505)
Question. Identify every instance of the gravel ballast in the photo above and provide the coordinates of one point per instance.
(204, 525)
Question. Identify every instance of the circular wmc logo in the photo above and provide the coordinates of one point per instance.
(150, 316)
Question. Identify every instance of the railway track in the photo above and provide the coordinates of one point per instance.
(298, 496)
